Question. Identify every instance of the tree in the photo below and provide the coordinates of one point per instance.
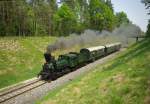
(148, 29)
(43, 12)
(53, 8)
(101, 16)
(79, 7)
(70, 3)
(44, 17)
(109, 4)
(12, 22)
(65, 21)
(82, 15)
(147, 4)
(121, 18)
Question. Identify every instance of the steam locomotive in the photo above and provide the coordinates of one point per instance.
(52, 69)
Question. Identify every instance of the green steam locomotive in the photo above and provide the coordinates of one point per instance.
(52, 69)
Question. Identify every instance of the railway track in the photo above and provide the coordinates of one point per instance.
(11, 93)
(18, 90)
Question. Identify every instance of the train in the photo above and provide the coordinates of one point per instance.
(55, 68)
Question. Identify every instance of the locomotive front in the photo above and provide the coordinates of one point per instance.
(48, 67)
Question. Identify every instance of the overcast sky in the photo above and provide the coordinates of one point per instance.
(135, 10)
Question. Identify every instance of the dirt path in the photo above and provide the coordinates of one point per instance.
(31, 96)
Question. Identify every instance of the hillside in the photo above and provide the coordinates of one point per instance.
(21, 58)
(123, 80)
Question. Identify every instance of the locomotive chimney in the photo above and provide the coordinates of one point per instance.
(47, 57)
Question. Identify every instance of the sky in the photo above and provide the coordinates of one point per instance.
(135, 11)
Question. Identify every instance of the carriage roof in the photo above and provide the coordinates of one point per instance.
(94, 48)
(113, 44)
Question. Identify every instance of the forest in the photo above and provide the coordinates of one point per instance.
(57, 18)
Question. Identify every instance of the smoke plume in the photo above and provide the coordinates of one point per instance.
(121, 34)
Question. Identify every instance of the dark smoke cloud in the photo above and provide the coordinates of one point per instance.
(121, 34)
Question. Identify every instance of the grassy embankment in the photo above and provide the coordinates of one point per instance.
(21, 58)
(123, 80)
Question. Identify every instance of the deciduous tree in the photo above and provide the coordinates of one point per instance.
(121, 18)
(65, 21)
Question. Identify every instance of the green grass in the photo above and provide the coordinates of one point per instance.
(21, 58)
(123, 80)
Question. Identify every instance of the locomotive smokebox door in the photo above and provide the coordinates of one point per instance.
(47, 57)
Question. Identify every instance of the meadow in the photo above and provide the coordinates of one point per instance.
(21, 58)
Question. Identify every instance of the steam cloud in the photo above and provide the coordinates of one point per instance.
(121, 34)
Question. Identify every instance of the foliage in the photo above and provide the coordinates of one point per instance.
(80, 9)
(121, 18)
(33, 17)
(45, 17)
(108, 2)
(101, 16)
(65, 20)
(147, 4)
(148, 30)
